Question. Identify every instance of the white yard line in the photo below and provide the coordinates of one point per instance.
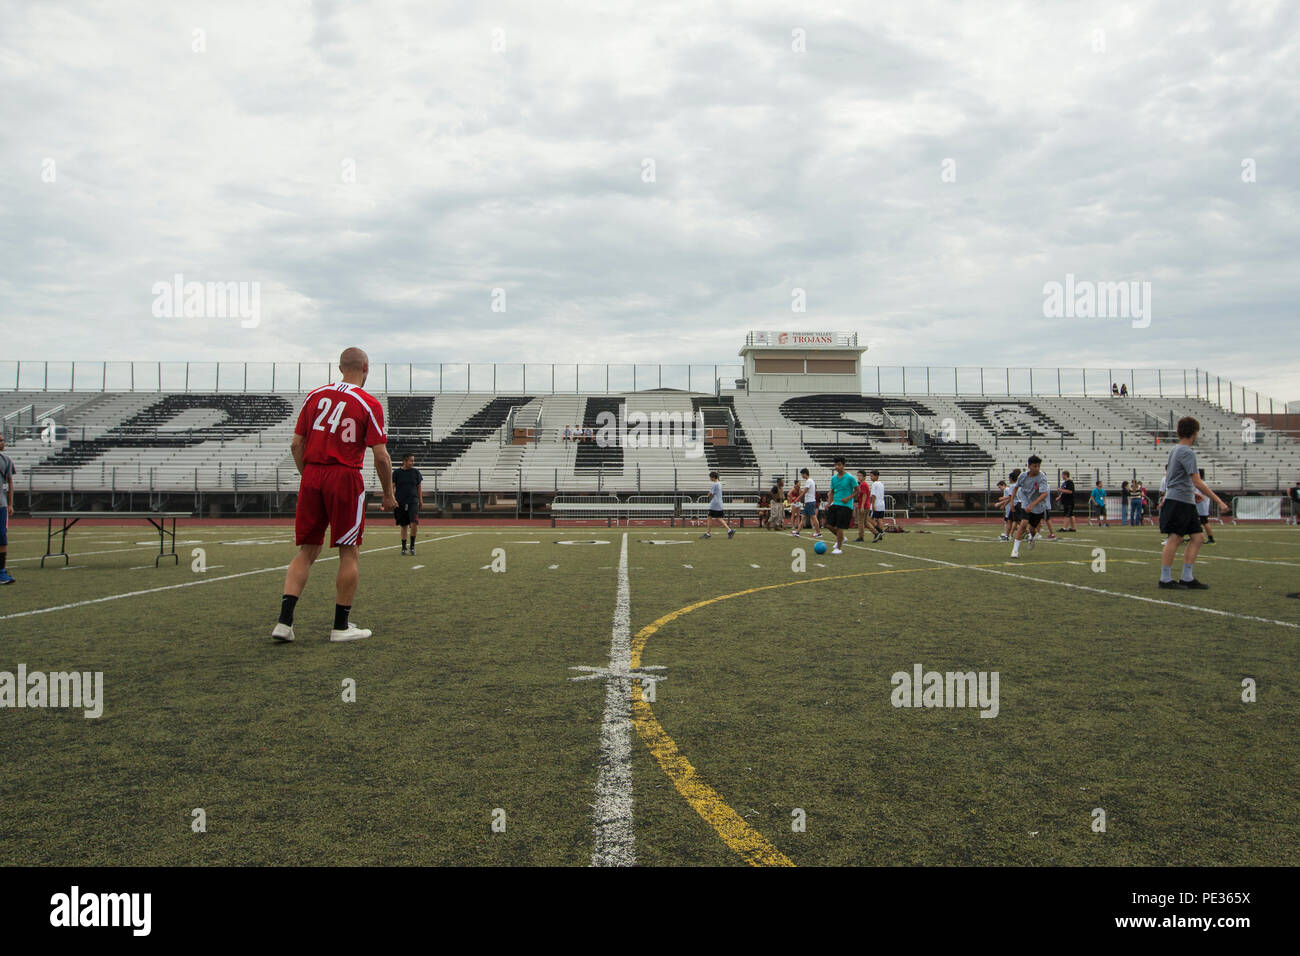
(1084, 587)
(188, 584)
(614, 836)
(1155, 550)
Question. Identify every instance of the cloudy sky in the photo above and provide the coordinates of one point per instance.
(921, 171)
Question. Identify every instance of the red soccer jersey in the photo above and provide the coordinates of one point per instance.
(340, 422)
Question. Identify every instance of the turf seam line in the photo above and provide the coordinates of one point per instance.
(615, 840)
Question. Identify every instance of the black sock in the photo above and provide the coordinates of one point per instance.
(3, 555)
(413, 537)
(341, 616)
(286, 608)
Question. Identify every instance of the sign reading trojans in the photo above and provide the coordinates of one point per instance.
(792, 339)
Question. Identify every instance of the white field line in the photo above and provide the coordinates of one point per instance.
(1084, 587)
(188, 584)
(614, 837)
(1203, 556)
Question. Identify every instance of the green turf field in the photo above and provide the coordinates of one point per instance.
(777, 699)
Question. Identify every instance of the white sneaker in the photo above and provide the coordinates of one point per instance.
(283, 632)
(837, 551)
(353, 633)
(1004, 537)
(1032, 540)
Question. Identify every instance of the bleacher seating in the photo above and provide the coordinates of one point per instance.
(136, 441)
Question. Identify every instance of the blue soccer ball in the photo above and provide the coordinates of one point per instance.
(820, 547)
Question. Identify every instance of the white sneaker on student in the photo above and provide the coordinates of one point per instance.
(837, 551)
(353, 633)
(283, 632)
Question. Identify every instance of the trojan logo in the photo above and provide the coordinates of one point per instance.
(839, 424)
(1013, 419)
(180, 421)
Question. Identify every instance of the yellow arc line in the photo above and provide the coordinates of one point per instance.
(754, 848)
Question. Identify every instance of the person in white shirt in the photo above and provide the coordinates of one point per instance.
(809, 515)
(877, 506)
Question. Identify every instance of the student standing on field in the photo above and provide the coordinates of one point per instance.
(877, 507)
(1178, 517)
(7, 502)
(776, 517)
(1008, 496)
(1138, 503)
(336, 424)
(1203, 511)
(1067, 503)
(809, 516)
(862, 502)
(408, 489)
(715, 508)
(1099, 501)
(839, 509)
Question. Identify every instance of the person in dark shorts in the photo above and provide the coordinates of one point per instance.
(7, 501)
(1099, 503)
(1178, 517)
(715, 508)
(839, 506)
(877, 507)
(862, 503)
(408, 489)
(1203, 511)
(336, 424)
(1029, 495)
(1067, 503)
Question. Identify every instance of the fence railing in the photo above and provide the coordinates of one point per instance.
(258, 479)
(530, 378)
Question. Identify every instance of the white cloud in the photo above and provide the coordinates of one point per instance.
(521, 169)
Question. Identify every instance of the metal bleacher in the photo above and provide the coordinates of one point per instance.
(512, 443)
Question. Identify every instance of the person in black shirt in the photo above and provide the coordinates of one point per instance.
(407, 489)
(1067, 503)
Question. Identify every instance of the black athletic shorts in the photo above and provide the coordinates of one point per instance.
(1033, 517)
(405, 514)
(1067, 506)
(839, 517)
(1180, 518)
(715, 512)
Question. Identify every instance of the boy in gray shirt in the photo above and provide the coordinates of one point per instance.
(1178, 517)
(1028, 496)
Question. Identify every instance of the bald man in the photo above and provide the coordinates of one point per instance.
(336, 424)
